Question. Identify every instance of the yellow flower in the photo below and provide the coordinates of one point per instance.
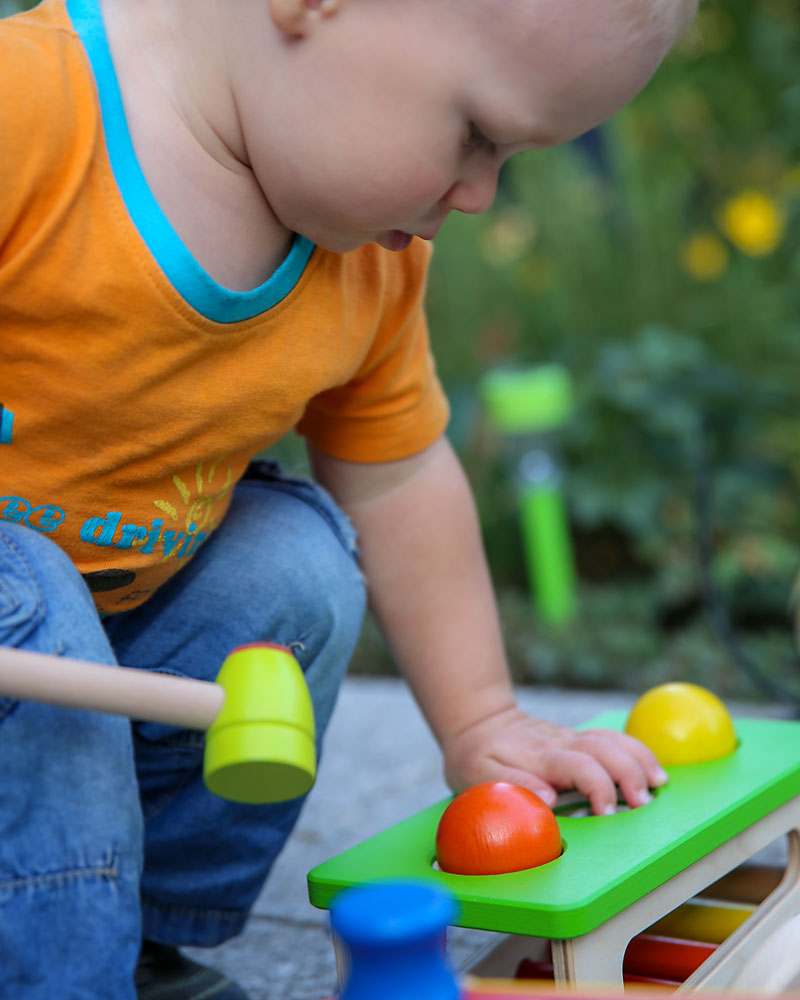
(508, 236)
(753, 222)
(705, 256)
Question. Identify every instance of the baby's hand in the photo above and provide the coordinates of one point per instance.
(547, 758)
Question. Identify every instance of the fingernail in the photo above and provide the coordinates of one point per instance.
(610, 810)
(644, 798)
(661, 777)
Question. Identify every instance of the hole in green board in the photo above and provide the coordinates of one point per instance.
(435, 865)
(574, 805)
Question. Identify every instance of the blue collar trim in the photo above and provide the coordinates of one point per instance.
(196, 286)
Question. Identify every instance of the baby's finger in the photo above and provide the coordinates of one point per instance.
(654, 774)
(622, 766)
(518, 776)
(574, 769)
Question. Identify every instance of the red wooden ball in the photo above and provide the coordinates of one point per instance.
(494, 828)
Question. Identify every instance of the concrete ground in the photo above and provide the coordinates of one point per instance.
(380, 766)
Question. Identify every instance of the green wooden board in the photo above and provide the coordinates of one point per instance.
(608, 861)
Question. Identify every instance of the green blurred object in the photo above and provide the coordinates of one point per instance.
(548, 547)
(531, 405)
(528, 401)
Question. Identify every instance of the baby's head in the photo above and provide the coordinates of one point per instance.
(369, 120)
(571, 64)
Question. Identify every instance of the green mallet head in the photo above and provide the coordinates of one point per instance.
(260, 748)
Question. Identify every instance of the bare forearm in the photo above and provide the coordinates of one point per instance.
(430, 590)
(431, 593)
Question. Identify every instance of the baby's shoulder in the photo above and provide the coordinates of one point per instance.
(48, 111)
(46, 80)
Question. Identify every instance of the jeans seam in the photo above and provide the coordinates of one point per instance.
(61, 878)
(13, 605)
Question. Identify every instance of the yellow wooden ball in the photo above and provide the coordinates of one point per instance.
(682, 723)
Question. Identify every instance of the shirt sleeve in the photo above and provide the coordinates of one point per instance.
(45, 92)
(394, 405)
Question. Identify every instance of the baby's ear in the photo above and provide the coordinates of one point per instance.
(298, 17)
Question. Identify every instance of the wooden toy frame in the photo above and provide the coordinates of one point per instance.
(620, 874)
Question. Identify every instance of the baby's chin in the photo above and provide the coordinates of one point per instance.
(390, 239)
(394, 239)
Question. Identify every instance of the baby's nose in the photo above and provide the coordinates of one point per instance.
(473, 195)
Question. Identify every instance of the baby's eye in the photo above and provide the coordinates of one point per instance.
(476, 139)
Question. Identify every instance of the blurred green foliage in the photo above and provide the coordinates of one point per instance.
(8, 7)
(657, 259)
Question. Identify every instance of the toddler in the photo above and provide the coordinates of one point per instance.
(215, 225)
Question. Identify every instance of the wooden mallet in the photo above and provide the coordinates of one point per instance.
(258, 713)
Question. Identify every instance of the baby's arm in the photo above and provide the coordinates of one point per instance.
(431, 594)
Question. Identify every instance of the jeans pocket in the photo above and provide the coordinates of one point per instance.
(9, 606)
(21, 604)
(9, 601)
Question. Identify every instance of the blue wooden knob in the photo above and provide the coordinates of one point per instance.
(395, 935)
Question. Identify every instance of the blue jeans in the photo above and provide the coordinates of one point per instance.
(107, 833)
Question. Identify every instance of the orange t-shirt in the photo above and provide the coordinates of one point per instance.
(134, 389)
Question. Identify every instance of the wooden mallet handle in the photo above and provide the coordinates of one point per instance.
(138, 694)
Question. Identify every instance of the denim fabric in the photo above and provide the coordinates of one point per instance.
(70, 823)
(82, 834)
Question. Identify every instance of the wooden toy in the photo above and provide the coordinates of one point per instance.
(393, 937)
(618, 874)
(259, 717)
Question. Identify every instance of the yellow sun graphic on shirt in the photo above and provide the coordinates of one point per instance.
(197, 498)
